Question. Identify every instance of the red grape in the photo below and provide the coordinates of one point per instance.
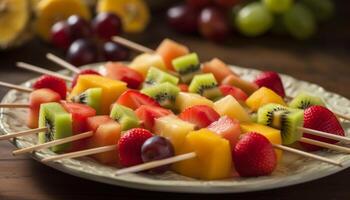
(115, 52)
(198, 4)
(61, 35)
(79, 27)
(106, 25)
(82, 52)
(213, 25)
(183, 18)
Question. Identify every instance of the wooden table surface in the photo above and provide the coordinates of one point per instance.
(324, 60)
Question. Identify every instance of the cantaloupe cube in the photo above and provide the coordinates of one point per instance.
(143, 62)
(185, 100)
(230, 107)
(111, 89)
(262, 97)
(170, 50)
(273, 135)
(218, 68)
(213, 160)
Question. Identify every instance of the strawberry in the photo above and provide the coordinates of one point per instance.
(272, 81)
(321, 119)
(147, 114)
(119, 71)
(183, 87)
(227, 128)
(236, 92)
(51, 82)
(82, 72)
(134, 99)
(129, 146)
(200, 115)
(254, 155)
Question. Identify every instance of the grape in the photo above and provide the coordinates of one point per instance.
(213, 25)
(198, 4)
(106, 25)
(82, 52)
(61, 35)
(79, 27)
(322, 9)
(254, 19)
(115, 52)
(156, 148)
(278, 6)
(226, 3)
(299, 22)
(183, 18)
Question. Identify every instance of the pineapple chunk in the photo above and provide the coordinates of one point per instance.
(213, 160)
(174, 129)
(185, 100)
(229, 106)
(111, 89)
(143, 62)
(262, 97)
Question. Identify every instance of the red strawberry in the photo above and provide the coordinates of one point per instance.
(183, 87)
(148, 114)
(56, 84)
(272, 81)
(254, 155)
(227, 128)
(233, 91)
(134, 99)
(129, 146)
(80, 114)
(321, 119)
(82, 72)
(119, 71)
(200, 115)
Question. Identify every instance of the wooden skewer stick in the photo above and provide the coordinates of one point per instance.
(22, 133)
(14, 105)
(342, 116)
(16, 87)
(325, 145)
(53, 143)
(81, 153)
(42, 71)
(63, 63)
(132, 45)
(324, 134)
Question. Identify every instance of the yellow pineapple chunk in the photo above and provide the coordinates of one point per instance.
(111, 89)
(174, 129)
(273, 135)
(185, 100)
(229, 106)
(262, 97)
(213, 160)
(143, 62)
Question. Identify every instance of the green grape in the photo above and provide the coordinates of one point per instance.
(254, 19)
(278, 6)
(322, 9)
(299, 22)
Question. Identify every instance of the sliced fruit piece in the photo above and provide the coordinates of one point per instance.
(244, 85)
(205, 85)
(143, 62)
(185, 100)
(157, 76)
(183, 87)
(262, 97)
(111, 89)
(230, 107)
(227, 128)
(125, 117)
(91, 97)
(272, 81)
(94, 122)
(56, 84)
(134, 99)
(304, 100)
(218, 68)
(147, 114)
(164, 93)
(82, 72)
(119, 71)
(233, 91)
(169, 50)
(213, 160)
(59, 124)
(174, 129)
(187, 66)
(36, 98)
(199, 115)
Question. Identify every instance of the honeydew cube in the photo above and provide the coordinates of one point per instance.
(111, 89)
(262, 97)
(185, 100)
(143, 62)
(213, 160)
(230, 107)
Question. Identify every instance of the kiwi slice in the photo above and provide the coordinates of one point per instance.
(288, 120)
(156, 76)
(91, 97)
(187, 66)
(164, 93)
(205, 85)
(125, 117)
(304, 100)
(58, 123)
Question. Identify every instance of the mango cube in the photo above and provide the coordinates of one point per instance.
(262, 97)
(213, 160)
(185, 100)
(230, 107)
(111, 89)
(143, 62)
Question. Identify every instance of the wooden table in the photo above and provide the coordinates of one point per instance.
(324, 61)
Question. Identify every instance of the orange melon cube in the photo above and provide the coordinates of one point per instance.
(170, 50)
(218, 68)
(246, 86)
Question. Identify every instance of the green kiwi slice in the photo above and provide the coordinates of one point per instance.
(91, 97)
(288, 120)
(205, 85)
(304, 100)
(187, 66)
(156, 76)
(125, 117)
(58, 122)
(164, 93)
